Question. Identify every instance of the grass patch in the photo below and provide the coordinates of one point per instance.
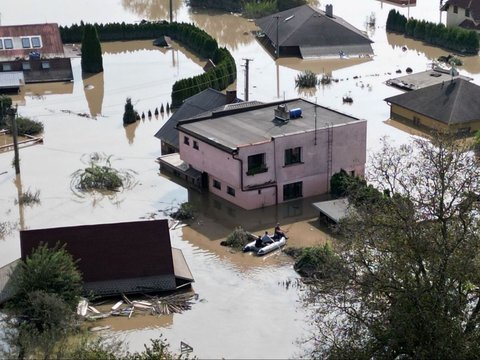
(29, 198)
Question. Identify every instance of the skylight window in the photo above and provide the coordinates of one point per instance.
(8, 43)
(36, 42)
(289, 18)
(26, 43)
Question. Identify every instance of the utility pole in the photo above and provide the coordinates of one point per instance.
(246, 77)
(171, 12)
(12, 114)
(277, 50)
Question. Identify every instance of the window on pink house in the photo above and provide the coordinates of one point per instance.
(292, 191)
(256, 164)
(230, 191)
(293, 156)
(217, 185)
(186, 140)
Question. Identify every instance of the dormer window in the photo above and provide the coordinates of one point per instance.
(467, 12)
(26, 43)
(36, 42)
(455, 9)
(8, 43)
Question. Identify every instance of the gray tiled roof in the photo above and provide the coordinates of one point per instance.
(200, 103)
(309, 27)
(230, 129)
(451, 102)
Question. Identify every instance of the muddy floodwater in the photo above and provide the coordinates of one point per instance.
(247, 307)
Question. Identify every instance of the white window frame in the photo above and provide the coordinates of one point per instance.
(5, 45)
(39, 41)
(26, 38)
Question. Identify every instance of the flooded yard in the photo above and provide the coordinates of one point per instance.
(244, 309)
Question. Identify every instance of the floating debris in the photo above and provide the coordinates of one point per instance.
(99, 328)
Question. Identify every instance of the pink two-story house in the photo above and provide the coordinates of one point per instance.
(256, 155)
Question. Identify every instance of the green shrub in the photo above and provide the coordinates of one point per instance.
(238, 238)
(306, 79)
(47, 270)
(26, 126)
(320, 262)
(184, 212)
(254, 10)
(130, 115)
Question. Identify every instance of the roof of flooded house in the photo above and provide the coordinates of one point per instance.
(423, 79)
(309, 27)
(48, 35)
(472, 5)
(334, 209)
(230, 129)
(451, 102)
(195, 105)
(110, 251)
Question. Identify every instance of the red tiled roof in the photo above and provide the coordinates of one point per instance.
(51, 42)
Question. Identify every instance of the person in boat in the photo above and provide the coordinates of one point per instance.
(278, 233)
(266, 239)
(259, 242)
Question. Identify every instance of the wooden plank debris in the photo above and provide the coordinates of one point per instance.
(117, 305)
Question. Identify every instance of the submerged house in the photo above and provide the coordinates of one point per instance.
(129, 257)
(463, 13)
(307, 32)
(206, 100)
(449, 105)
(256, 155)
(31, 54)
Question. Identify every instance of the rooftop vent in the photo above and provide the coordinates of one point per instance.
(281, 112)
(329, 10)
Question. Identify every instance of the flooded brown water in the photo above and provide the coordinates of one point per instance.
(244, 310)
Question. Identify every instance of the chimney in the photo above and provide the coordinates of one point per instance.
(329, 10)
(231, 96)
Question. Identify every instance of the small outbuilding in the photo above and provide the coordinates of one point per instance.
(332, 211)
(129, 257)
(307, 32)
(449, 105)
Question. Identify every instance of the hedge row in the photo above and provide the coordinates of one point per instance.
(195, 39)
(453, 38)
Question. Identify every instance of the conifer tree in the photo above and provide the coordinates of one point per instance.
(92, 61)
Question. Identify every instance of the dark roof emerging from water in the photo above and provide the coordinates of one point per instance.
(451, 102)
(110, 251)
(305, 26)
(195, 105)
(230, 129)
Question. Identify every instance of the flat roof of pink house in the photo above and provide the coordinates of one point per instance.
(233, 128)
